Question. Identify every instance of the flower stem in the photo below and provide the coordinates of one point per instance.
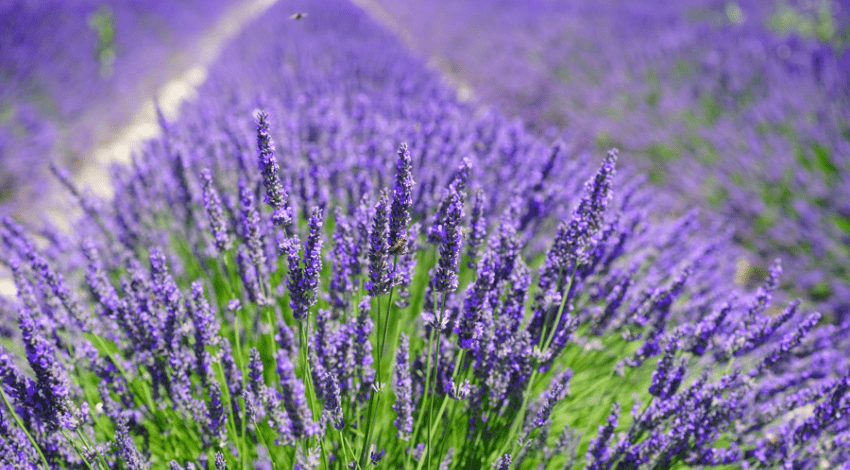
(24, 429)
(374, 401)
(433, 387)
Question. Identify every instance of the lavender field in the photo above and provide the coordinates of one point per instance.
(448, 234)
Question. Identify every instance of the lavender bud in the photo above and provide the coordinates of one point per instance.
(303, 281)
(402, 201)
(215, 215)
(275, 194)
(447, 268)
(504, 462)
(294, 400)
(216, 414)
(376, 457)
(477, 229)
(380, 276)
(403, 391)
(127, 447)
(333, 401)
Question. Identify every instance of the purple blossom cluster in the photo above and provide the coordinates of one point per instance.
(184, 323)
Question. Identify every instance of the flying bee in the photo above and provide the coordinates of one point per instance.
(399, 246)
(297, 16)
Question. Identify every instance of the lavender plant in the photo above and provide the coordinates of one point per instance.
(182, 325)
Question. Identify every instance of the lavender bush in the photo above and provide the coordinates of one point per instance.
(330, 262)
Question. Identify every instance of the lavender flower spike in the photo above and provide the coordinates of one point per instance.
(51, 379)
(402, 201)
(447, 268)
(380, 277)
(575, 239)
(477, 229)
(133, 460)
(404, 391)
(212, 203)
(304, 280)
(294, 400)
(505, 462)
(333, 400)
(275, 194)
(597, 452)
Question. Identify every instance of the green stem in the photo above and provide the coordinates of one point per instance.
(231, 419)
(90, 444)
(24, 429)
(374, 402)
(560, 310)
(458, 381)
(439, 326)
(308, 375)
(76, 449)
(383, 340)
(425, 397)
(265, 443)
(518, 420)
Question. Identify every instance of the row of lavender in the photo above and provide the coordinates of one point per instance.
(65, 65)
(330, 262)
(706, 94)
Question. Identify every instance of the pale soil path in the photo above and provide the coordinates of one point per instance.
(94, 174)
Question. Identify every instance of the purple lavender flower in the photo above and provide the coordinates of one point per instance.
(597, 453)
(126, 447)
(666, 379)
(333, 400)
(557, 390)
(275, 194)
(403, 405)
(469, 326)
(504, 462)
(789, 341)
(294, 400)
(215, 215)
(251, 229)
(220, 463)
(216, 414)
(346, 262)
(255, 388)
(706, 328)
(477, 229)
(456, 186)
(361, 330)
(303, 281)
(51, 378)
(447, 268)
(376, 457)
(402, 201)
(380, 275)
(206, 329)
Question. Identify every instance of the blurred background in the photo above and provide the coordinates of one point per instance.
(741, 107)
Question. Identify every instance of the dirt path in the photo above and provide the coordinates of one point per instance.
(183, 87)
(94, 174)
